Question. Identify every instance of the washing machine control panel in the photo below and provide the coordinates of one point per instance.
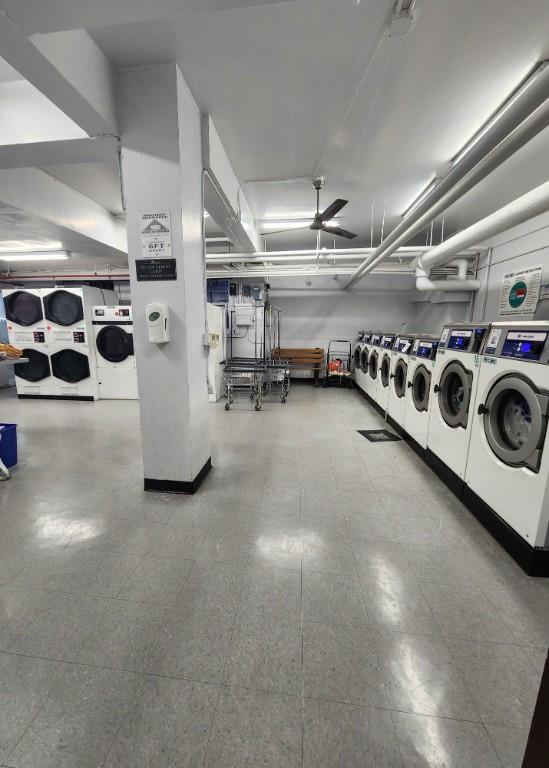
(387, 342)
(79, 337)
(463, 339)
(375, 339)
(528, 344)
(39, 337)
(427, 349)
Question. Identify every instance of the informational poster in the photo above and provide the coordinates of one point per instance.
(520, 292)
(156, 235)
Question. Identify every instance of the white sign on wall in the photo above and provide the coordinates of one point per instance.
(156, 235)
(520, 292)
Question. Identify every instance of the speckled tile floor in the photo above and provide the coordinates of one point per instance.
(321, 602)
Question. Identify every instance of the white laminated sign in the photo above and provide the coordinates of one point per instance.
(520, 292)
(156, 235)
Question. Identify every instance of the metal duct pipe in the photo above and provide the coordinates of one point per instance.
(526, 114)
(522, 209)
(458, 283)
(229, 257)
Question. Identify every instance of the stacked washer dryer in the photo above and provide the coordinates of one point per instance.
(384, 374)
(27, 329)
(370, 381)
(418, 389)
(116, 369)
(68, 313)
(399, 378)
(455, 379)
(507, 475)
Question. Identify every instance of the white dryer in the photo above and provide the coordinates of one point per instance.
(508, 465)
(370, 381)
(419, 386)
(74, 374)
(116, 368)
(454, 386)
(399, 378)
(26, 328)
(68, 312)
(384, 370)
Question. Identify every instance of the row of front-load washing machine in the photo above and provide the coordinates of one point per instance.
(475, 403)
(78, 343)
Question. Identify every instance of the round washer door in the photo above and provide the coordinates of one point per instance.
(63, 308)
(364, 360)
(71, 366)
(372, 365)
(454, 394)
(515, 421)
(114, 344)
(421, 386)
(401, 374)
(37, 369)
(23, 308)
(356, 357)
(385, 370)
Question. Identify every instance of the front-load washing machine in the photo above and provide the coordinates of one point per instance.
(116, 369)
(455, 379)
(364, 357)
(68, 312)
(418, 395)
(399, 378)
(384, 373)
(356, 362)
(370, 382)
(508, 464)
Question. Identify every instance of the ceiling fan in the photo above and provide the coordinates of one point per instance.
(321, 219)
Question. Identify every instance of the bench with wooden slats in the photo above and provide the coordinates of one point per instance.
(302, 359)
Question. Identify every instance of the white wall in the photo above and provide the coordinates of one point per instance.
(524, 246)
(432, 314)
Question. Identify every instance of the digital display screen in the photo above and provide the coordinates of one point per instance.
(124, 312)
(460, 340)
(99, 312)
(521, 348)
(376, 339)
(387, 342)
(425, 350)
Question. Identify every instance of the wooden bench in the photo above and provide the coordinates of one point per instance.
(303, 359)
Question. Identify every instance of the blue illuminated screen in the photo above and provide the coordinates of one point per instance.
(523, 349)
(424, 351)
(458, 342)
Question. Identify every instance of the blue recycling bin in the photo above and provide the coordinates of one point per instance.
(8, 444)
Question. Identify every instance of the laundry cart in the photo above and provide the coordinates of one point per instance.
(278, 375)
(338, 363)
(244, 375)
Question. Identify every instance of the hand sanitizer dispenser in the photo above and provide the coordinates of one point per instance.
(158, 323)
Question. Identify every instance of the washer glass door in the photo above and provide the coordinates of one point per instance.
(357, 357)
(421, 386)
(114, 344)
(385, 369)
(23, 308)
(372, 365)
(364, 360)
(401, 374)
(454, 394)
(70, 366)
(515, 421)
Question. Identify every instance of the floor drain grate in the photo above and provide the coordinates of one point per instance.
(378, 435)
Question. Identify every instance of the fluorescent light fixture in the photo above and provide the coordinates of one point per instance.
(35, 256)
(483, 130)
(206, 215)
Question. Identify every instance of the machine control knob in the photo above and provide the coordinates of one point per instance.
(409, 385)
(436, 388)
(392, 376)
(482, 410)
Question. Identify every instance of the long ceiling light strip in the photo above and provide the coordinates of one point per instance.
(14, 256)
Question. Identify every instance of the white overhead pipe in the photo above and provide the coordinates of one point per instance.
(522, 209)
(457, 283)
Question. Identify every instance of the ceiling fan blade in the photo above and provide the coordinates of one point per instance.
(332, 210)
(282, 231)
(339, 231)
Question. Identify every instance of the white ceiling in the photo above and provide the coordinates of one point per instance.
(311, 86)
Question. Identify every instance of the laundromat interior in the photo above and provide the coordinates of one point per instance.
(274, 384)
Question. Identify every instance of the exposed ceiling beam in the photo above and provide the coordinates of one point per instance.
(47, 153)
(40, 194)
(68, 68)
(55, 15)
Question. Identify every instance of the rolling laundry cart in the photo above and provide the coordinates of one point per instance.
(338, 363)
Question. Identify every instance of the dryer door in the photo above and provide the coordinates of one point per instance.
(401, 374)
(364, 360)
(515, 421)
(63, 308)
(454, 394)
(71, 366)
(356, 358)
(385, 370)
(421, 386)
(37, 369)
(114, 344)
(23, 308)
(372, 365)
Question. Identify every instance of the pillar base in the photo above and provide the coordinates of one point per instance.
(179, 486)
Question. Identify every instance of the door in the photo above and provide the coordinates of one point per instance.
(515, 421)
(454, 394)
(356, 357)
(71, 366)
(372, 365)
(23, 308)
(385, 370)
(421, 386)
(63, 308)
(114, 344)
(400, 375)
(364, 360)
(37, 369)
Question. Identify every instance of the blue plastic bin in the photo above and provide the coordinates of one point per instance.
(8, 444)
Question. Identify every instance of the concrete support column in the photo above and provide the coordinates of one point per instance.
(162, 171)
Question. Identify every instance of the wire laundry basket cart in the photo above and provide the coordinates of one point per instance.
(278, 373)
(244, 374)
(338, 363)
